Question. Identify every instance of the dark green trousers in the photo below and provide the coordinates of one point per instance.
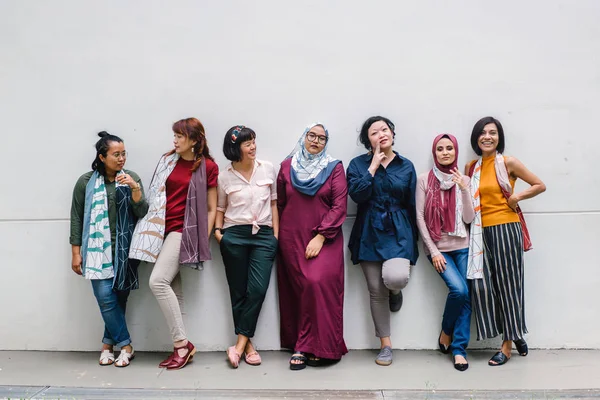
(248, 261)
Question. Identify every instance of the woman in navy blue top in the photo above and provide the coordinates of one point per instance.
(384, 235)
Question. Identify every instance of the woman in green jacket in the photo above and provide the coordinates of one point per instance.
(107, 202)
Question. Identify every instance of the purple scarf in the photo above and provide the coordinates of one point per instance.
(440, 216)
(194, 238)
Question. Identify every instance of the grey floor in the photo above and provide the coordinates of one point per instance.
(544, 374)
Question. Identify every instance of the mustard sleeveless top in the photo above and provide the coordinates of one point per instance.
(494, 206)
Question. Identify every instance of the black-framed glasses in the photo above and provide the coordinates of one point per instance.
(313, 137)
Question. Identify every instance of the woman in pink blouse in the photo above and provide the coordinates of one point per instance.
(444, 207)
(247, 226)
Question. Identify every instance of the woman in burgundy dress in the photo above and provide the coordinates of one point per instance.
(312, 199)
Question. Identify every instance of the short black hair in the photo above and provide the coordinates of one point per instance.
(102, 147)
(235, 136)
(478, 129)
(364, 131)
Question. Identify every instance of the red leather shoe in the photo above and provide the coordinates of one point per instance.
(168, 360)
(178, 362)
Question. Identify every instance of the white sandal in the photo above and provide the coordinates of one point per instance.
(124, 358)
(107, 357)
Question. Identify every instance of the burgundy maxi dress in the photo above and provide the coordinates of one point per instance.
(311, 292)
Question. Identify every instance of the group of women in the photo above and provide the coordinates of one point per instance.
(471, 226)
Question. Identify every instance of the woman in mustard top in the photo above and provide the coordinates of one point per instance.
(496, 243)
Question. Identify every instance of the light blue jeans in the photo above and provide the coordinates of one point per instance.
(457, 313)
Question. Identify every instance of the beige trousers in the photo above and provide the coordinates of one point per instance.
(165, 283)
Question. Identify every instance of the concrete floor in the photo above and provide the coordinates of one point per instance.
(544, 374)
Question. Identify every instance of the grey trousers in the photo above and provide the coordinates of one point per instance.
(165, 283)
(383, 277)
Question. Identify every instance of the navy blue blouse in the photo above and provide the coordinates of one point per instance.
(386, 225)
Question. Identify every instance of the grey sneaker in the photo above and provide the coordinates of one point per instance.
(395, 301)
(384, 357)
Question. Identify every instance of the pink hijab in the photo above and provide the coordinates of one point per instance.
(440, 217)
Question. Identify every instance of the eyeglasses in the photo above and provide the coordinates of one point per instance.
(119, 155)
(313, 137)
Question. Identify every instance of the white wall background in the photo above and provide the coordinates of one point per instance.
(69, 69)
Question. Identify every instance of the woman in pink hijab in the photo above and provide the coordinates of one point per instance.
(444, 208)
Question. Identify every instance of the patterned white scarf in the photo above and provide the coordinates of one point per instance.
(446, 183)
(149, 233)
(307, 166)
(98, 250)
(310, 171)
(476, 259)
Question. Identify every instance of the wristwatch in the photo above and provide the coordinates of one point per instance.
(219, 229)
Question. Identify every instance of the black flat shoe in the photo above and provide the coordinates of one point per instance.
(395, 302)
(521, 346)
(460, 367)
(443, 348)
(320, 362)
(498, 359)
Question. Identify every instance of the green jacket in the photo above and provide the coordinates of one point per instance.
(77, 207)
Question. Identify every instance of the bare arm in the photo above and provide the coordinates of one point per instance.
(136, 195)
(211, 197)
(517, 169)
(221, 208)
(468, 167)
(219, 224)
(275, 215)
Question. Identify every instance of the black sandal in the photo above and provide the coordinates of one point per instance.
(460, 367)
(299, 356)
(319, 362)
(498, 359)
(521, 346)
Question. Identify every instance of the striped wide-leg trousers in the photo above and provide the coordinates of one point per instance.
(498, 299)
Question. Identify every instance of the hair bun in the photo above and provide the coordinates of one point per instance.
(103, 134)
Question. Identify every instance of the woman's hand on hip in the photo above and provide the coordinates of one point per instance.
(513, 202)
(439, 263)
(218, 236)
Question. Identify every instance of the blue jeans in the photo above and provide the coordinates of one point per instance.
(457, 313)
(112, 306)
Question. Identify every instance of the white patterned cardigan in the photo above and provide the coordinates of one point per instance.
(149, 233)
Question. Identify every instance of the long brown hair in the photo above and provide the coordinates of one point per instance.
(193, 129)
